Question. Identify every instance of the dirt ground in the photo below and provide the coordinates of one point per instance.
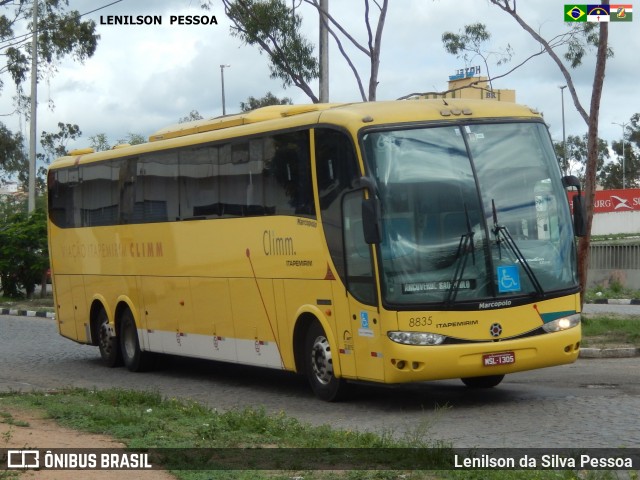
(45, 434)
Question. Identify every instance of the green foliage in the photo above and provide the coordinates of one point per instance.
(24, 254)
(627, 150)
(269, 99)
(99, 142)
(133, 139)
(55, 144)
(614, 289)
(60, 33)
(576, 155)
(193, 115)
(604, 330)
(12, 156)
(275, 28)
(583, 36)
(471, 43)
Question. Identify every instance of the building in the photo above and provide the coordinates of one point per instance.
(465, 84)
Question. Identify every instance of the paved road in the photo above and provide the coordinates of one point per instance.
(633, 310)
(592, 403)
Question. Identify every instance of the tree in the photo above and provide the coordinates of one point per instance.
(577, 155)
(627, 151)
(269, 99)
(12, 156)
(193, 115)
(275, 28)
(54, 146)
(24, 256)
(372, 48)
(583, 36)
(60, 33)
(99, 142)
(469, 45)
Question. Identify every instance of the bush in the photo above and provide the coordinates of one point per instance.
(24, 255)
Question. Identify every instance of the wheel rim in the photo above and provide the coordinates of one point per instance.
(128, 341)
(321, 360)
(104, 339)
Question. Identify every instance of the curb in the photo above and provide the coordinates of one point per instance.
(26, 313)
(625, 352)
(616, 301)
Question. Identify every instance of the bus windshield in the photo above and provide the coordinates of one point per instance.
(470, 212)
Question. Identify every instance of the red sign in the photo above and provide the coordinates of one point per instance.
(607, 201)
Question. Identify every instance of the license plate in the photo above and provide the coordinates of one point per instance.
(494, 359)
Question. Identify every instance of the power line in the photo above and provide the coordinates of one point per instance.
(28, 35)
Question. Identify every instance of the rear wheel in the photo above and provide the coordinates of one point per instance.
(134, 358)
(319, 366)
(482, 382)
(107, 344)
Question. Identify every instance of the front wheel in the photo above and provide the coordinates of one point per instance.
(134, 358)
(108, 344)
(482, 382)
(319, 366)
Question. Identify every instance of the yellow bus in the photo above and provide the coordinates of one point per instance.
(382, 242)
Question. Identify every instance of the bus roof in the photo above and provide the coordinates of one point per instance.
(352, 116)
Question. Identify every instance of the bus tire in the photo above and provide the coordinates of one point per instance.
(108, 344)
(319, 365)
(489, 381)
(133, 357)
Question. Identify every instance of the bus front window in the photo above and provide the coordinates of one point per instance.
(444, 191)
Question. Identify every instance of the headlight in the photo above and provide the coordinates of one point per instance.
(563, 323)
(416, 338)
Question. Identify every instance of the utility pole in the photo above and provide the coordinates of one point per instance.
(564, 140)
(623, 125)
(324, 52)
(222, 67)
(34, 107)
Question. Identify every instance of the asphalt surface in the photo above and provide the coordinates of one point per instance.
(591, 403)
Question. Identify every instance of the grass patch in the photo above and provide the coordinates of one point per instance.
(602, 331)
(146, 420)
(34, 304)
(615, 289)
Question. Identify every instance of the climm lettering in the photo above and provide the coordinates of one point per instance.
(146, 249)
(113, 250)
(274, 245)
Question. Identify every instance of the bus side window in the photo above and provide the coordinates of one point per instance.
(199, 190)
(336, 168)
(287, 174)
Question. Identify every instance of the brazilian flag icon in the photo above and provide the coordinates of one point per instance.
(575, 13)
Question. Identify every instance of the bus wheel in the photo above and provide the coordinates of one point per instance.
(319, 366)
(482, 382)
(134, 359)
(107, 343)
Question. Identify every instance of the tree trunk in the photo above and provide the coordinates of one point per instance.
(592, 155)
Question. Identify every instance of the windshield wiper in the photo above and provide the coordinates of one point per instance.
(465, 246)
(501, 230)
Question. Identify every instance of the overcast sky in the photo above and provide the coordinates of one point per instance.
(143, 78)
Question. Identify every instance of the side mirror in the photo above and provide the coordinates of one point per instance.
(571, 181)
(371, 225)
(579, 215)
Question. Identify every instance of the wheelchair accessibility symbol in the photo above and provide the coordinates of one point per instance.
(508, 279)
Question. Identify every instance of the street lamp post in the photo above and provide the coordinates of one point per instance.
(222, 67)
(623, 125)
(564, 140)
